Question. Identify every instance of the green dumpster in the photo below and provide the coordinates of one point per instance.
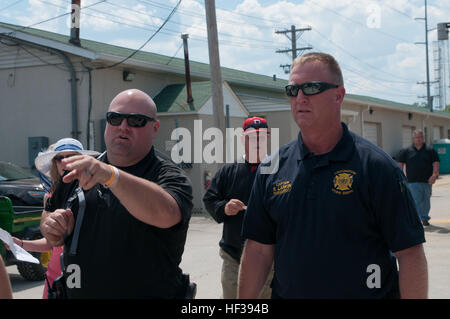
(442, 147)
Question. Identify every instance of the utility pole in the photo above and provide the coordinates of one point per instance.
(293, 34)
(214, 64)
(429, 100)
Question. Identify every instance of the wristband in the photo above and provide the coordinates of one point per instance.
(114, 176)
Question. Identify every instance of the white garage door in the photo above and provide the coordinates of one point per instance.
(407, 132)
(436, 133)
(371, 132)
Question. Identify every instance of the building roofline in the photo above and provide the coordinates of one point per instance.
(403, 108)
(57, 45)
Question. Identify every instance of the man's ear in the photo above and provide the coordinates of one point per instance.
(156, 126)
(155, 129)
(340, 93)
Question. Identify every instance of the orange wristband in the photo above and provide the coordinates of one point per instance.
(114, 176)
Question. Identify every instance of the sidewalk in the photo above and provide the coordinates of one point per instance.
(437, 235)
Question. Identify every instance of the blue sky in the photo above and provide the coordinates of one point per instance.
(373, 40)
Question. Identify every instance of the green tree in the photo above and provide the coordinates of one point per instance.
(447, 108)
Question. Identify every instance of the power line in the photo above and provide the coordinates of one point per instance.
(356, 83)
(404, 80)
(172, 32)
(359, 23)
(149, 39)
(168, 31)
(380, 82)
(386, 4)
(175, 54)
(202, 16)
(371, 75)
(356, 58)
(56, 65)
(10, 5)
(50, 19)
(186, 25)
(250, 16)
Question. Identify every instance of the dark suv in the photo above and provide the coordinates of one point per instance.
(21, 204)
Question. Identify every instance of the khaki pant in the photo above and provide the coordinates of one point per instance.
(230, 274)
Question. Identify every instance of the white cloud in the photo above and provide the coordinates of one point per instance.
(37, 12)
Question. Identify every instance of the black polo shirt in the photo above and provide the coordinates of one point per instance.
(120, 256)
(419, 163)
(232, 181)
(333, 217)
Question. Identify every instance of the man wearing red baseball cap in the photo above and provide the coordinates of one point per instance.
(226, 201)
(255, 139)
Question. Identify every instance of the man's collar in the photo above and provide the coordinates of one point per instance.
(341, 152)
(104, 158)
(418, 149)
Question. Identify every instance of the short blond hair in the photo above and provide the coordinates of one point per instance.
(326, 59)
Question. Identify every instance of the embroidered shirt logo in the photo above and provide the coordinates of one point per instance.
(282, 187)
(343, 182)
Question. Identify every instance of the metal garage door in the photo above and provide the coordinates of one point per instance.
(407, 132)
(436, 132)
(371, 133)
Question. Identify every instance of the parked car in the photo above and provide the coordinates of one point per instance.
(21, 204)
(20, 186)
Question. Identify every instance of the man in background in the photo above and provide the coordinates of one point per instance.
(420, 163)
(226, 201)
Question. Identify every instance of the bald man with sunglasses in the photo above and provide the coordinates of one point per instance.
(337, 216)
(138, 206)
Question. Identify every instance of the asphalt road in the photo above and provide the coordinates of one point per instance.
(201, 258)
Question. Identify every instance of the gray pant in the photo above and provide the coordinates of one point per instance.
(230, 275)
(421, 192)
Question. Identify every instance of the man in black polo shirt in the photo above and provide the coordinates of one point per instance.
(137, 210)
(421, 166)
(337, 214)
(226, 200)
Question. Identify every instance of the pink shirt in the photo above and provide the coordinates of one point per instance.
(53, 269)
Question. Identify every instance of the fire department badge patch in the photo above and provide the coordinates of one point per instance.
(343, 182)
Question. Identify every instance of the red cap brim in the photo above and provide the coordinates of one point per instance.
(254, 130)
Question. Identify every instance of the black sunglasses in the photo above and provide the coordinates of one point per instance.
(59, 158)
(133, 119)
(309, 88)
